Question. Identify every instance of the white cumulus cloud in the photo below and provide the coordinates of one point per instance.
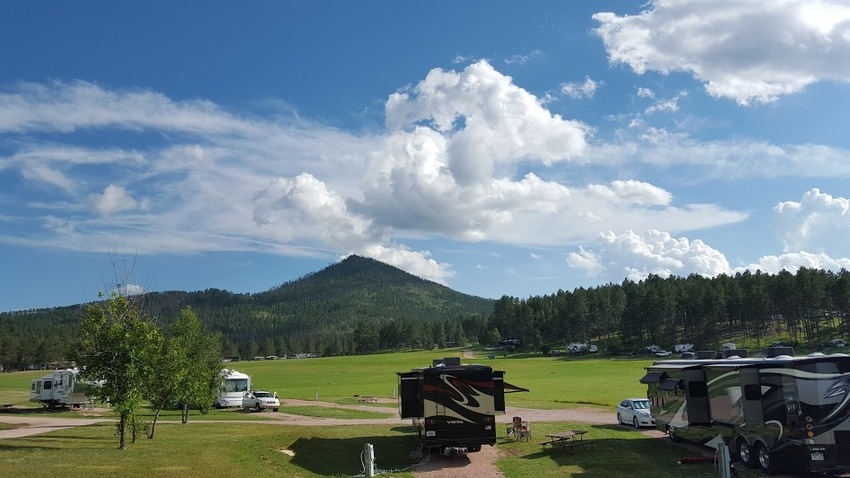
(748, 51)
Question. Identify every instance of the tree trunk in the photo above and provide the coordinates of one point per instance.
(122, 431)
(152, 430)
(185, 414)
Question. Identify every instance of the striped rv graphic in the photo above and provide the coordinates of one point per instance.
(779, 413)
(454, 405)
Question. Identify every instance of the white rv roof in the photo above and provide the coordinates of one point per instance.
(234, 374)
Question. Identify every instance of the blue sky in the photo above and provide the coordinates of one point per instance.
(495, 147)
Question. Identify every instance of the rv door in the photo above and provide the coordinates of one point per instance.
(696, 397)
(751, 396)
(47, 389)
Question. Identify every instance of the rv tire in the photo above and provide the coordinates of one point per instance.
(745, 453)
(473, 448)
(671, 432)
(765, 461)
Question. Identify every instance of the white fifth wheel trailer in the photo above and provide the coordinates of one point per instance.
(779, 413)
(234, 385)
(60, 388)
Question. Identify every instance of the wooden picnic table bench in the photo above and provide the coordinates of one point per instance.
(567, 440)
(6, 407)
(367, 399)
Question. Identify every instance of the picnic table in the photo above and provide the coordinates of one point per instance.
(568, 439)
(367, 399)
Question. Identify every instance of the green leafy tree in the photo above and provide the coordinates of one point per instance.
(202, 353)
(117, 348)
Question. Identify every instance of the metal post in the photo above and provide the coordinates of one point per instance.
(369, 460)
(724, 462)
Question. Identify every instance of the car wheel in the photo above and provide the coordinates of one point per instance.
(245, 409)
(275, 409)
(745, 453)
(635, 422)
(764, 459)
(258, 408)
(619, 419)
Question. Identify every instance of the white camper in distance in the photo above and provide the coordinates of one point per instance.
(60, 388)
(233, 386)
(679, 348)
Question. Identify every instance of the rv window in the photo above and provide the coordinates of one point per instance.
(752, 392)
(48, 384)
(669, 385)
(697, 389)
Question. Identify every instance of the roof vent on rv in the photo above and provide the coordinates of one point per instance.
(734, 353)
(774, 352)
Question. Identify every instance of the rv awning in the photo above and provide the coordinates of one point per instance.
(669, 385)
(652, 377)
(513, 388)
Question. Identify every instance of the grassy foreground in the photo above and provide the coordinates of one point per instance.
(203, 449)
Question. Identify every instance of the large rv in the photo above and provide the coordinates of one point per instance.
(60, 388)
(234, 385)
(777, 413)
(454, 405)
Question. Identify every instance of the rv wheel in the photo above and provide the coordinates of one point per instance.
(765, 460)
(473, 448)
(745, 453)
(671, 432)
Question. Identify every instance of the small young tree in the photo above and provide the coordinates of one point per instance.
(117, 349)
(187, 369)
(202, 354)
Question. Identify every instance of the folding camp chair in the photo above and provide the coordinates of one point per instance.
(521, 429)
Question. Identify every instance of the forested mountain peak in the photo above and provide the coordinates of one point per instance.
(357, 275)
(315, 313)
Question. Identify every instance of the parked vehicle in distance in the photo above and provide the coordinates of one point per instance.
(61, 388)
(260, 400)
(233, 386)
(663, 353)
(837, 343)
(635, 411)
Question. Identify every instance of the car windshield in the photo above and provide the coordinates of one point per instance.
(262, 394)
(641, 404)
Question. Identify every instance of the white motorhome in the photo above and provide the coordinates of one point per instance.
(679, 348)
(234, 385)
(60, 388)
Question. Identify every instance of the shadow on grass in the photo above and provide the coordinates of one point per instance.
(342, 456)
(11, 448)
(35, 411)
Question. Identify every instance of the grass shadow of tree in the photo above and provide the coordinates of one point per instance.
(344, 456)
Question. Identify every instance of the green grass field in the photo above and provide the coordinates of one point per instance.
(205, 447)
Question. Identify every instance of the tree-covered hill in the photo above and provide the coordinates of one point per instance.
(332, 311)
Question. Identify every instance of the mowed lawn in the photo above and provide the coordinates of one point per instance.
(554, 382)
(235, 448)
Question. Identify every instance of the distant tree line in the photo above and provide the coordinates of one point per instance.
(348, 311)
(672, 310)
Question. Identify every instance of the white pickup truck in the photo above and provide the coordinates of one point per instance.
(260, 400)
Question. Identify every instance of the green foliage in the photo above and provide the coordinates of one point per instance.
(186, 370)
(117, 350)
